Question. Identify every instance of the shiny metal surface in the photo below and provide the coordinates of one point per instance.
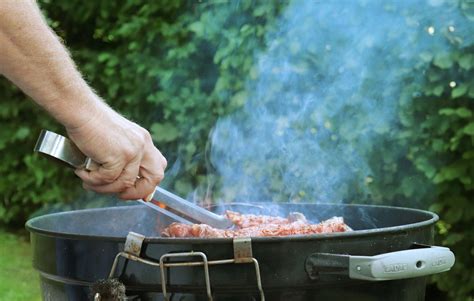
(134, 242)
(64, 150)
(191, 210)
(168, 213)
(240, 257)
(84, 244)
(60, 148)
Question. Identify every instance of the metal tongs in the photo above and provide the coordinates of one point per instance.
(62, 149)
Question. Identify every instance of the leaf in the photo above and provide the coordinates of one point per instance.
(463, 112)
(471, 90)
(408, 186)
(426, 56)
(22, 133)
(468, 155)
(239, 99)
(469, 129)
(467, 7)
(434, 76)
(182, 187)
(454, 214)
(245, 28)
(443, 61)
(438, 90)
(466, 180)
(164, 132)
(191, 148)
(425, 166)
(446, 111)
(103, 57)
(197, 27)
(459, 91)
(451, 172)
(452, 239)
(260, 10)
(436, 207)
(466, 60)
(438, 145)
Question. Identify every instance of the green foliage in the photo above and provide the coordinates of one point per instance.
(441, 130)
(176, 66)
(169, 65)
(26, 179)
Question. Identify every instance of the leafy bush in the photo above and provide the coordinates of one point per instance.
(440, 128)
(177, 66)
(167, 65)
(26, 180)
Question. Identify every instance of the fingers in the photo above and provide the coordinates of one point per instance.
(143, 187)
(126, 180)
(104, 175)
(151, 174)
(137, 180)
(131, 165)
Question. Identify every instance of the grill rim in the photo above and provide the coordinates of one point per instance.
(431, 219)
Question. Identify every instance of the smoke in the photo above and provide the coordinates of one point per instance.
(325, 91)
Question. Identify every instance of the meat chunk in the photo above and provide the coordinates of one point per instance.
(251, 220)
(249, 225)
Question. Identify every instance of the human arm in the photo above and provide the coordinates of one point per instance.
(34, 59)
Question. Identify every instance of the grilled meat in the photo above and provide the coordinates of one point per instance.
(249, 225)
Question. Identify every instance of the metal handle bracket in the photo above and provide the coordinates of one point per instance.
(133, 243)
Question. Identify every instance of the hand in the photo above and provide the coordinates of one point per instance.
(131, 165)
(35, 60)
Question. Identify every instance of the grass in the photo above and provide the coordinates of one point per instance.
(18, 280)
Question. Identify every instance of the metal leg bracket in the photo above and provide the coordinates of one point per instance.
(242, 255)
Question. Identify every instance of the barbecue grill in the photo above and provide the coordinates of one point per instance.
(388, 255)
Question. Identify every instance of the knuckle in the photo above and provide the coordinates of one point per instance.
(145, 135)
(148, 137)
(158, 176)
(130, 152)
(141, 138)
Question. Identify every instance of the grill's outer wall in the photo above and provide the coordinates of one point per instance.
(69, 264)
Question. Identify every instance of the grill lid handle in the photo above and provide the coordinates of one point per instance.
(387, 266)
(401, 264)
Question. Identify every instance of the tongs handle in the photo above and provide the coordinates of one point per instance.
(61, 148)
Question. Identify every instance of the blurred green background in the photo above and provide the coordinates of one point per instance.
(175, 67)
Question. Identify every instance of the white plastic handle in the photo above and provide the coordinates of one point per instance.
(401, 264)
